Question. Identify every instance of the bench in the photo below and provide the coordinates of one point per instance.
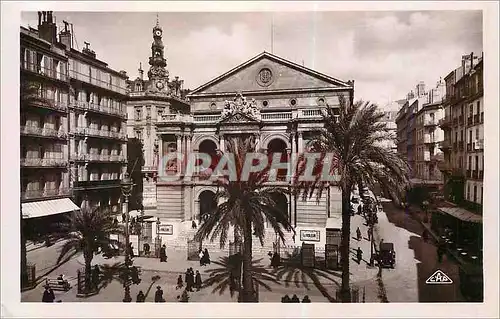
(57, 284)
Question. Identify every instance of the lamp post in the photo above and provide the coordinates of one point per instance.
(126, 187)
(158, 243)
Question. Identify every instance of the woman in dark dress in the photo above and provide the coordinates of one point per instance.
(141, 297)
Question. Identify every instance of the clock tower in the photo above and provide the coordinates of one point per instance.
(158, 74)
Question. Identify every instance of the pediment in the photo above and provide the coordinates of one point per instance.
(239, 118)
(267, 72)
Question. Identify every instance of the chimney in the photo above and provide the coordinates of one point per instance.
(39, 18)
(65, 36)
(87, 50)
(47, 29)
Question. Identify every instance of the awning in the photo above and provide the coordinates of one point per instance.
(48, 207)
(462, 214)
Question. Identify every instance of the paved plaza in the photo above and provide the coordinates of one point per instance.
(400, 284)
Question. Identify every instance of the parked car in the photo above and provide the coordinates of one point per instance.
(386, 255)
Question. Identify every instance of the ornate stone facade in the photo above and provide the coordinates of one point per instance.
(275, 100)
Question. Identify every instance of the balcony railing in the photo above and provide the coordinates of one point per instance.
(100, 83)
(99, 158)
(40, 131)
(87, 106)
(98, 133)
(43, 162)
(206, 118)
(469, 120)
(97, 183)
(42, 100)
(276, 116)
(44, 71)
(316, 113)
(32, 194)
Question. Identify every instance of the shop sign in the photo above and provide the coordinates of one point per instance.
(166, 229)
(309, 235)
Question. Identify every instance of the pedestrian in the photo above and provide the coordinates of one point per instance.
(187, 279)
(159, 294)
(358, 233)
(200, 255)
(275, 260)
(163, 254)
(198, 282)
(359, 255)
(191, 279)
(180, 284)
(206, 256)
(369, 232)
(286, 299)
(306, 299)
(140, 297)
(295, 298)
(131, 250)
(48, 295)
(359, 209)
(184, 297)
(193, 224)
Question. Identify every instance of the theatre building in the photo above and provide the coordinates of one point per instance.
(276, 101)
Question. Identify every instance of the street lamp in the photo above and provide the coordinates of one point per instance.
(158, 239)
(126, 187)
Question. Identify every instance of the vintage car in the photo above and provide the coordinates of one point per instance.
(386, 255)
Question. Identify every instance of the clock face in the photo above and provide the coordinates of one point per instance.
(159, 85)
(157, 53)
(158, 33)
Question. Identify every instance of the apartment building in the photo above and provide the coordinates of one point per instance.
(429, 135)
(44, 97)
(390, 114)
(97, 116)
(463, 143)
(73, 124)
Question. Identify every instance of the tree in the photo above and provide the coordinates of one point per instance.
(245, 204)
(135, 158)
(352, 134)
(88, 231)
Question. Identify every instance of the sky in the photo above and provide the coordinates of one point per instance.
(386, 53)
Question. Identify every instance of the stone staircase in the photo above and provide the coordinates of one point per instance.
(186, 233)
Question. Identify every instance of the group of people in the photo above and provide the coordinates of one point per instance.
(287, 299)
(192, 280)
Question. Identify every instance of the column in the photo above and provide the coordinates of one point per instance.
(179, 150)
(294, 145)
(257, 142)
(188, 146)
(196, 210)
(301, 143)
(289, 162)
(221, 142)
(294, 155)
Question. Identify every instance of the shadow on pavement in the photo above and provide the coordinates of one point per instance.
(220, 278)
(292, 271)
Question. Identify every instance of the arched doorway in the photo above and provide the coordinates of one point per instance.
(208, 147)
(278, 146)
(207, 204)
(281, 203)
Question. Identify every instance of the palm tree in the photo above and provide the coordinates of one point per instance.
(88, 231)
(352, 135)
(246, 206)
